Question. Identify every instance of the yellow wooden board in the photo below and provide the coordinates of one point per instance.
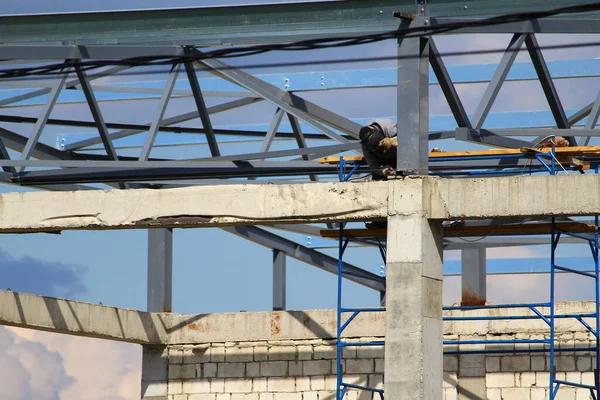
(560, 152)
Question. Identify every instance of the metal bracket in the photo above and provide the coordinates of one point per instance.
(404, 15)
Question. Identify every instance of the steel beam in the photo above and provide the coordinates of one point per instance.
(68, 85)
(44, 115)
(542, 25)
(309, 256)
(162, 107)
(545, 78)
(160, 270)
(473, 263)
(279, 283)
(303, 109)
(497, 81)
(413, 104)
(592, 119)
(82, 52)
(96, 114)
(132, 129)
(456, 106)
(202, 111)
(487, 137)
(301, 141)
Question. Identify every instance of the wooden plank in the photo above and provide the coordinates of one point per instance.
(578, 151)
(465, 231)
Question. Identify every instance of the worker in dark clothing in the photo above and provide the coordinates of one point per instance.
(379, 141)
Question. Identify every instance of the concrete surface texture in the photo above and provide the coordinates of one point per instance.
(318, 202)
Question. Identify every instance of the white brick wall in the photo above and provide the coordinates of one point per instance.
(305, 369)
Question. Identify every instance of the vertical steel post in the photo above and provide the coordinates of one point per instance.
(554, 241)
(413, 98)
(160, 270)
(473, 263)
(279, 284)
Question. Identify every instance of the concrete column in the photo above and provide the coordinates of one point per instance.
(473, 266)
(413, 337)
(155, 372)
(278, 280)
(160, 270)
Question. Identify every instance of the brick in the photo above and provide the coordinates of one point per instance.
(209, 370)
(294, 368)
(223, 396)
(582, 394)
(261, 353)
(379, 366)
(274, 368)
(492, 364)
(239, 354)
(304, 352)
(196, 354)
(204, 396)
(324, 352)
(542, 379)
(565, 393)
(281, 384)
(359, 366)
(370, 352)
(538, 394)
(494, 394)
(186, 371)
(515, 363)
(471, 365)
(574, 377)
(246, 396)
(587, 378)
(217, 354)
(331, 382)
(584, 364)
(175, 387)
(231, 370)
(527, 379)
(196, 386)
(265, 396)
(179, 397)
(175, 356)
(450, 364)
(376, 381)
(516, 393)
(450, 394)
(252, 369)
(309, 396)
(302, 384)
(238, 385)
(349, 352)
(500, 380)
(327, 395)
(282, 353)
(538, 363)
(259, 385)
(316, 367)
(317, 383)
(287, 396)
(217, 385)
(565, 363)
(450, 379)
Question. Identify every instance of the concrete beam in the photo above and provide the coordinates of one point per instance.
(80, 319)
(224, 205)
(192, 207)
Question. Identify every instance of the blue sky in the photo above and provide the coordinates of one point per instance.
(215, 271)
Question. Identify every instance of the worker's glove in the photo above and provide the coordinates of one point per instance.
(388, 144)
(388, 171)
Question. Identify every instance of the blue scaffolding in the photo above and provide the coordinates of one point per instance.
(549, 163)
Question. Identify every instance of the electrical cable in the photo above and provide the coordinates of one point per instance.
(311, 44)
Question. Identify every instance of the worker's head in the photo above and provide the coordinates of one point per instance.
(370, 136)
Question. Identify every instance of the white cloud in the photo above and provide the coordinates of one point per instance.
(30, 370)
(96, 369)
